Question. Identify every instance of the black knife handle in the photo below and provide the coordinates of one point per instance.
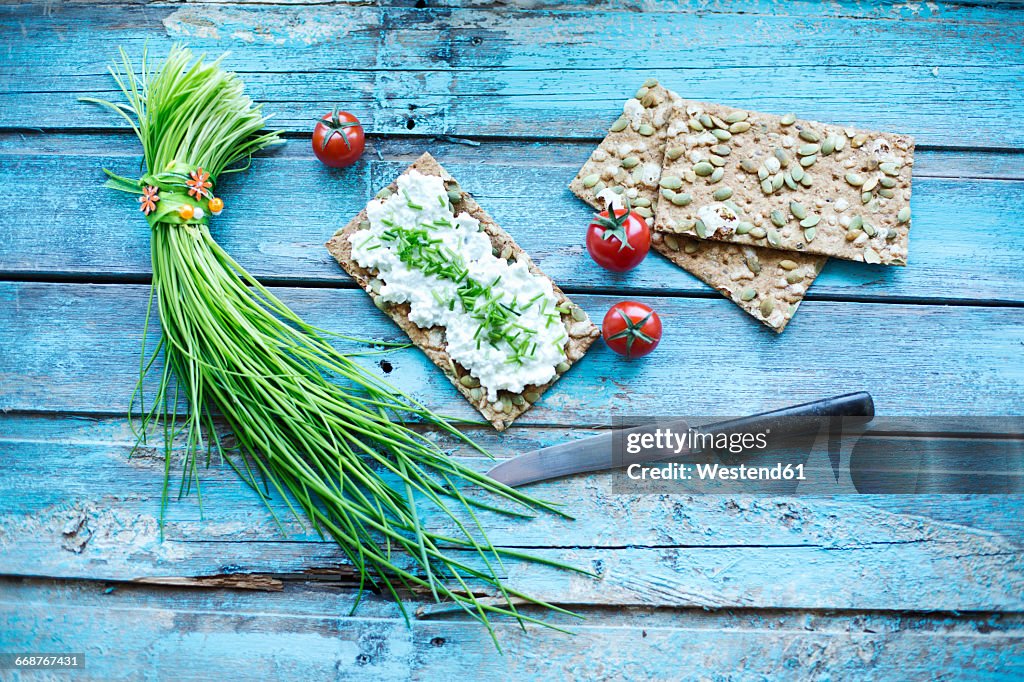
(799, 419)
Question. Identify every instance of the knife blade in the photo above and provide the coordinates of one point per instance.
(595, 453)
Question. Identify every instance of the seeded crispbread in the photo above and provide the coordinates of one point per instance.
(580, 330)
(766, 180)
(631, 156)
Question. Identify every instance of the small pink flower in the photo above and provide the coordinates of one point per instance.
(148, 200)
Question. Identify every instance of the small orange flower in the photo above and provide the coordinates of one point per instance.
(199, 185)
(148, 200)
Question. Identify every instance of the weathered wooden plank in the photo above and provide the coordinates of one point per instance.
(492, 72)
(280, 213)
(75, 348)
(707, 550)
(305, 632)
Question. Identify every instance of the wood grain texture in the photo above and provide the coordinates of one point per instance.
(704, 550)
(279, 214)
(76, 348)
(541, 72)
(303, 632)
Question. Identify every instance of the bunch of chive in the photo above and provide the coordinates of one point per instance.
(333, 449)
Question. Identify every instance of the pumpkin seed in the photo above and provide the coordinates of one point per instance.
(695, 125)
(787, 119)
(766, 186)
(591, 180)
(749, 165)
(719, 123)
(870, 184)
(758, 233)
(840, 143)
(691, 246)
(889, 168)
(809, 234)
(736, 116)
(763, 173)
(578, 314)
(887, 182)
(753, 264)
(739, 127)
(375, 285)
(562, 367)
(797, 172)
(828, 146)
(798, 210)
(772, 164)
(777, 181)
(717, 175)
(384, 194)
(701, 168)
(810, 221)
(887, 193)
(722, 193)
(469, 381)
(644, 211)
(858, 140)
(865, 197)
(380, 303)
(599, 187)
(651, 99)
(645, 129)
(716, 160)
(809, 135)
(787, 264)
(674, 153)
(681, 199)
(794, 277)
(773, 238)
(767, 306)
(891, 235)
(630, 162)
(790, 182)
(506, 253)
(850, 236)
(722, 134)
(641, 92)
(904, 215)
(782, 156)
(721, 149)
(748, 294)
(650, 82)
(871, 256)
(476, 394)
(856, 223)
(642, 201)
(705, 121)
(455, 196)
(671, 181)
(744, 227)
(808, 161)
(620, 124)
(807, 180)
(870, 229)
(855, 179)
(671, 242)
(518, 400)
(808, 149)
(667, 193)
(701, 229)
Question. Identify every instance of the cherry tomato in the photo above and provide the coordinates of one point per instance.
(618, 239)
(338, 139)
(631, 329)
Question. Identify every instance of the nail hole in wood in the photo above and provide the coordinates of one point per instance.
(410, 124)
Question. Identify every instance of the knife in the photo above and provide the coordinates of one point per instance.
(595, 453)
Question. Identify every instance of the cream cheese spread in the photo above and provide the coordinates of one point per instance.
(500, 319)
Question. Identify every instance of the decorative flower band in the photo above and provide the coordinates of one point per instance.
(178, 195)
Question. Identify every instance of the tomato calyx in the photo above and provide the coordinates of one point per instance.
(336, 127)
(614, 225)
(633, 331)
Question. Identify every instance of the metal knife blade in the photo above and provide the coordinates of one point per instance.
(596, 452)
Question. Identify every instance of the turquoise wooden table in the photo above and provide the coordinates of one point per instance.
(512, 101)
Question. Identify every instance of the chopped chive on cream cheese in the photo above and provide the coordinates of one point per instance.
(500, 319)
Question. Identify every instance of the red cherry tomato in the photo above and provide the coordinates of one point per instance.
(631, 329)
(618, 240)
(338, 139)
